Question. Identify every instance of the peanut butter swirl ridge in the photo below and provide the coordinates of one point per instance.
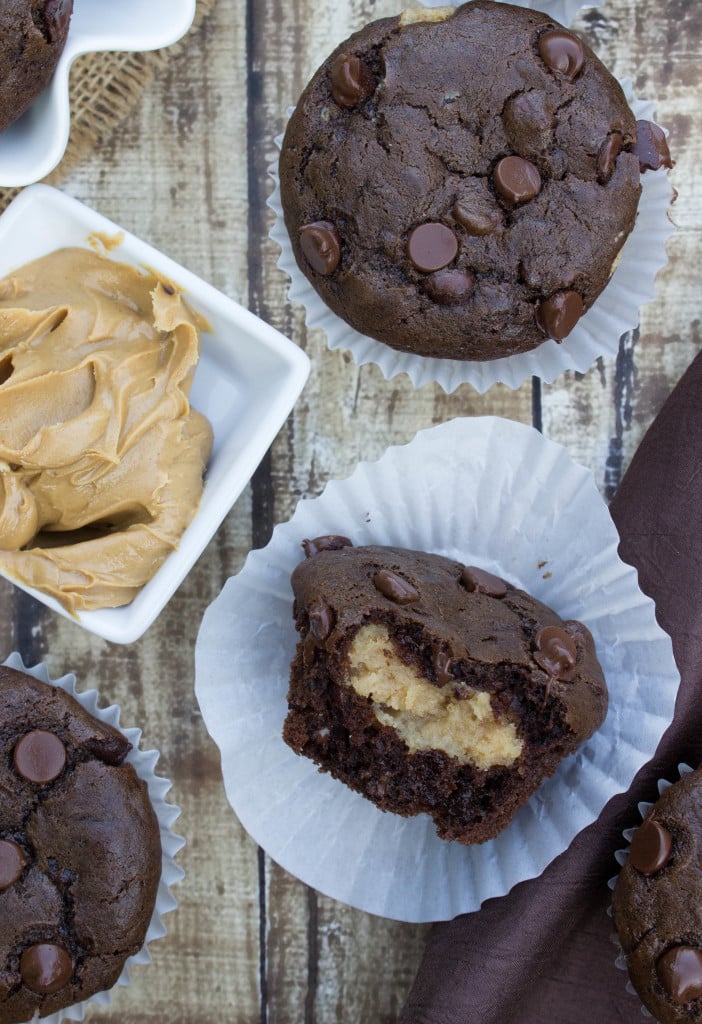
(101, 455)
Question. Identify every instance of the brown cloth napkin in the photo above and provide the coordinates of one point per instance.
(543, 954)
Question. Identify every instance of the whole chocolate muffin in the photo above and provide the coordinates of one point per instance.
(80, 851)
(430, 686)
(657, 908)
(32, 37)
(461, 185)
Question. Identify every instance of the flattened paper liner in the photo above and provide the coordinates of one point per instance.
(596, 334)
(562, 10)
(488, 492)
(621, 857)
(144, 762)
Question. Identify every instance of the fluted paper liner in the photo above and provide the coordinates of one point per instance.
(621, 857)
(144, 762)
(596, 334)
(484, 491)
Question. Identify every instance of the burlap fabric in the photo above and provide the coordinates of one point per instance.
(104, 87)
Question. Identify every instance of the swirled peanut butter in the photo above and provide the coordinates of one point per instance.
(101, 455)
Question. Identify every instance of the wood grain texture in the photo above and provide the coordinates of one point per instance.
(187, 172)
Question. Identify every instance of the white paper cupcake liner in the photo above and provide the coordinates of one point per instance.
(562, 10)
(144, 762)
(621, 857)
(488, 492)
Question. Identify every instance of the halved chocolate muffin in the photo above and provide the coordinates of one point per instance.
(431, 686)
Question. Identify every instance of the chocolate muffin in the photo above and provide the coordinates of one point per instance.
(657, 908)
(32, 37)
(80, 851)
(459, 183)
(430, 686)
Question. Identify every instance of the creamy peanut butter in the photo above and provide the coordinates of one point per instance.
(428, 716)
(101, 455)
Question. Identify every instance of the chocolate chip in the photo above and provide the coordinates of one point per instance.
(450, 287)
(321, 247)
(558, 315)
(442, 668)
(555, 652)
(352, 80)
(432, 246)
(651, 847)
(330, 542)
(561, 51)
(394, 587)
(321, 619)
(680, 973)
(516, 179)
(607, 157)
(39, 757)
(482, 582)
(12, 863)
(45, 968)
(476, 221)
(651, 147)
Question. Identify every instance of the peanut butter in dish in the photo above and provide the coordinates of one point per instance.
(101, 455)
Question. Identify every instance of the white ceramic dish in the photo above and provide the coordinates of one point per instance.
(33, 145)
(247, 381)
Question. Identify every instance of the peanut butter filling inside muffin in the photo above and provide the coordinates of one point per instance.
(427, 716)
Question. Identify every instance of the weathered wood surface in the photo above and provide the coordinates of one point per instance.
(188, 173)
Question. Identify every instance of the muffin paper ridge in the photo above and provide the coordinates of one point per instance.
(144, 762)
(247, 640)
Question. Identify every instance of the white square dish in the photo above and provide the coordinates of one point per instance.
(33, 145)
(247, 381)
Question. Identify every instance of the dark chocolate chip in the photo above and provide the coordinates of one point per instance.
(432, 246)
(12, 863)
(516, 179)
(330, 542)
(559, 313)
(651, 847)
(352, 80)
(651, 147)
(321, 619)
(476, 222)
(45, 968)
(607, 157)
(394, 587)
(442, 668)
(39, 757)
(561, 51)
(321, 247)
(450, 287)
(680, 973)
(555, 652)
(482, 582)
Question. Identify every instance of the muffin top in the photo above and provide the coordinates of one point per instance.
(460, 186)
(32, 37)
(656, 904)
(80, 852)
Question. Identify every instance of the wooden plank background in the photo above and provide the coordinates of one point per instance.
(187, 172)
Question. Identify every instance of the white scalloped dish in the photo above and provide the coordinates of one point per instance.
(33, 145)
(484, 491)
